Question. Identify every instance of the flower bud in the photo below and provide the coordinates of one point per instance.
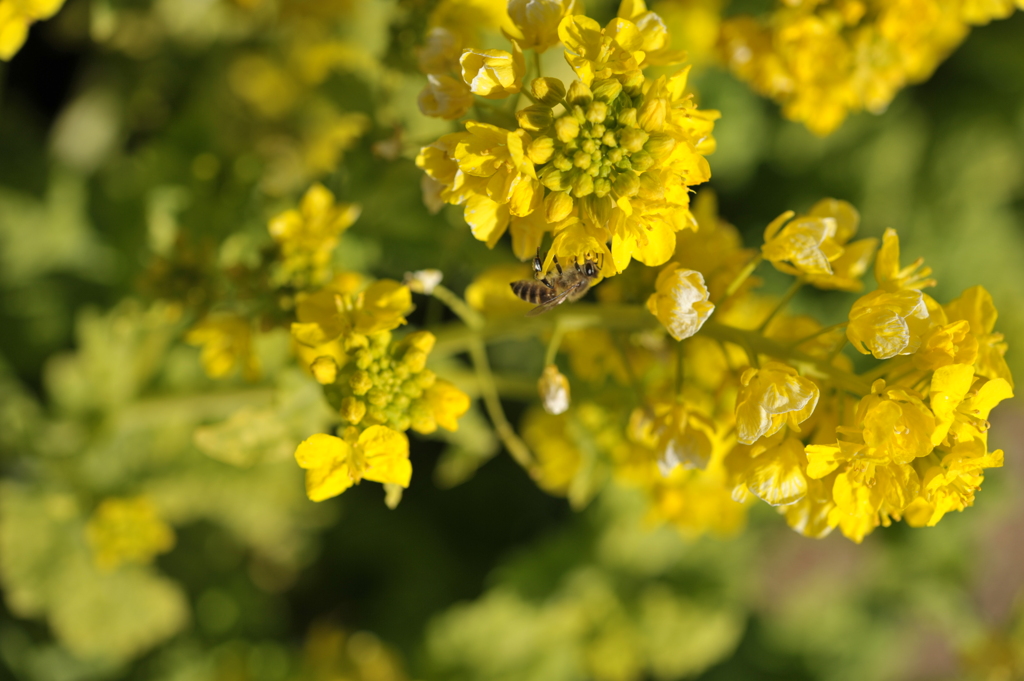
(493, 73)
(415, 359)
(557, 206)
(554, 390)
(360, 382)
(602, 187)
(325, 370)
(680, 301)
(553, 178)
(607, 89)
(651, 188)
(581, 159)
(633, 139)
(626, 184)
(548, 91)
(597, 112)
(633, 83)
(534, 117)
(540, 150)
(567, 128)
(579, 94)
(660, 145)
(423, 281)
(444, 97)
(653, 114)
(353, 410)
(627, 118)
(420, 340)
(562, 162)
(582, 185)
(641, 161)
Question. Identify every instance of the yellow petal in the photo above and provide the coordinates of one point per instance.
(322, 450)
(386, 453)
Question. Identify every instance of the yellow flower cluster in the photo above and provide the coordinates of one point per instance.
(127, 530)
(605, 165)
(226, 342)
(15, 18)
(823, 59)
(761, 403)
(308, 236)
(379, 388)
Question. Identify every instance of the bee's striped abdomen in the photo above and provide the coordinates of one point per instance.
(532, 291)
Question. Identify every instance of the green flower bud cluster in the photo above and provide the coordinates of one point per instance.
(598, 146)
(384, 384)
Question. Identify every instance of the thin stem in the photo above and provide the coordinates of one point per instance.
(536, 64)
(743, 275)
(786, 298)
(492, 402)
(634, 383)
(820, 332)
(469, 316)
(679, 371)
(456, 338)
(554, 344)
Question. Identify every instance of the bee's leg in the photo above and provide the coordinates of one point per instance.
(578, 267)
(538, 265)
(557, 266)
(547, 283)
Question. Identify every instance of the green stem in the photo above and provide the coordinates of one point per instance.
(470, 317)
(786, 298)
(743, 275)
(679, 371)
(536, 64)
(821, 332)
(492, 402)
(554, 344)
(456, 338)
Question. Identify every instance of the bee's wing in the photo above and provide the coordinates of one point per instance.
(541, 309)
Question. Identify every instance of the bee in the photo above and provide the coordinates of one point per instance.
(554, 289)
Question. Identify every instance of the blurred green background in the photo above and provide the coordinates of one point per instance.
(132, 172)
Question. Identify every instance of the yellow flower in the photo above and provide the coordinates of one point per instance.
(975, 306)
(805, 246)
(947, 344)
(226, 341)
(857, 256)
(656, 44)
(680, 301)
(265, 86)
(890, 276)
(678, 434)
(950, 485)
(490, 294)
(447, 404)
(127, 530)
(440, 52)
(773, 469)
(558, 459)
(770, 398)
(493, 74)
(554, 390)
(887, 324)
(341, 309)
(333, 464)
(445, 97)
(594, 52)
(537, 21)
(308, 236)
(15, 18)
